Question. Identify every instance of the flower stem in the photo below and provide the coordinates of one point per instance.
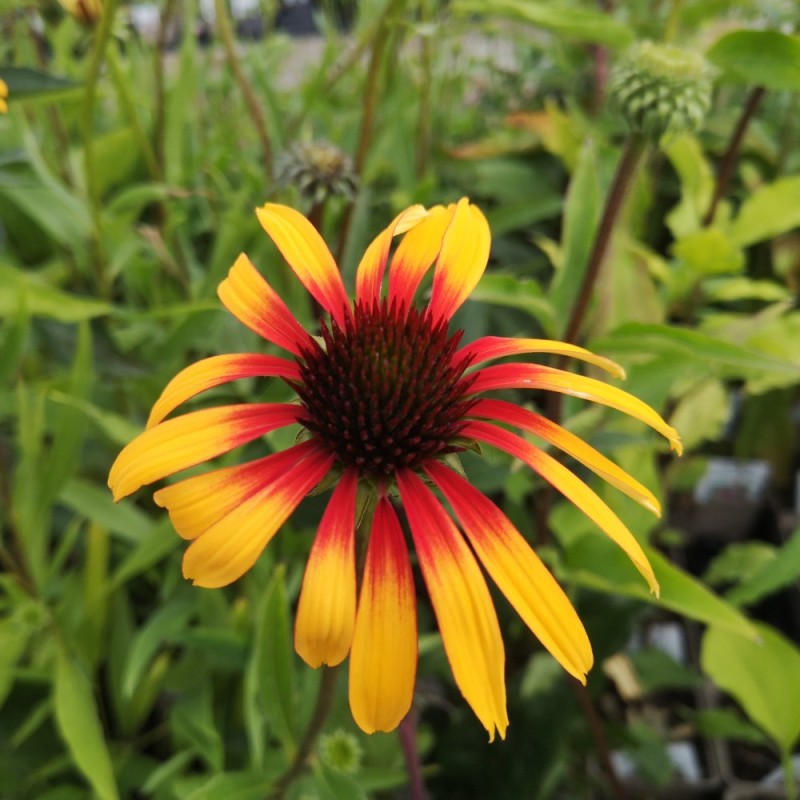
(245, 87)
(325, 695)
(407, 731)
(635, 147)
(102, 36)
(732, 153)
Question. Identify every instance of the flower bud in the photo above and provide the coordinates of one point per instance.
(661, 89)
(319, 170)
(341, 752)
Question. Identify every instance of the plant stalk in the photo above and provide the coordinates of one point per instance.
(245, 87)
(407, 732)
(732, 152)
(632, 153)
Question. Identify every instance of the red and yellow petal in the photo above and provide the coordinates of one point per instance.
(307, 255)
(572, 487)
(369, 275)
(533, 376)
(250, 299)
(416, 253)
(326, 613)
(197, 503)
(383, 659)
(540, 426)
(230, 547)
(462, 260)
(215, 371)
(180, 443)
(490, 347)
(461, 602)
(518, 572)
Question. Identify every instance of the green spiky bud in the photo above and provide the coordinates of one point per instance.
(319, 170)
(661, 89)
(341, 751)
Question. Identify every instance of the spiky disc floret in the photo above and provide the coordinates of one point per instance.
(386, 391)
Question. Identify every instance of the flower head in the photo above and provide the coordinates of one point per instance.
(3, 96)
(386, 395)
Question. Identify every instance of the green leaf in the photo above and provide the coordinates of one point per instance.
(234, 786)
(774, 573)
(697, 185)
(332, 785)
(725, 723)
(732, 290)
(759, 58)
(770, 211)
(657, 670)
(738, 563)
(513, 292)
(79, 724)
(571, 22)
(761, 675)
(708, 252)
(157, 544)
(581, 214)
(639, 339)
(596, 562)
(701, 413)
(15, 633)
(19, 288)
(169, 621)
(24, 82)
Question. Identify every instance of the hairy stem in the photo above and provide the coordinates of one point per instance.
(407, 731)
(245, 87)
(732, 152)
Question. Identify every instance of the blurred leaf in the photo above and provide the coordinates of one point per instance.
(18, 289)
(157, 544)
(725, 723)
(234, 786)
(761, 675)
(118, 429)
(759, 58)
(732, 290)
(15, 633)
(708, 252)
(636, 338)
(165, 772)
(24, 82)
(647, 749)
(701, 413)
(772, 574)
(697, 185)
(581, 214)
(738, 562)
(332, 785)
(657, 670)
(169, 621)
(571, 22)
(12, 345)
(79, 724)
(192, 719)
(768, 212)
(512, 292)
(596, 562)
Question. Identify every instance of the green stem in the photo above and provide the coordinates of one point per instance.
(788, 775)
(327, 691)
(129, 108)
(102, 36)
(632, 153)
(225, 30)
(674, 21)
(159, 113)
(424, 121)
(732, 152)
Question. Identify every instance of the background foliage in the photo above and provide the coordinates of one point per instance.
(129, 169)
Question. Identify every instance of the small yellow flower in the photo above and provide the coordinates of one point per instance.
(385, 395)
(3, 95)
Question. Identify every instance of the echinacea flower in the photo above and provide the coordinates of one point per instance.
(386, 396)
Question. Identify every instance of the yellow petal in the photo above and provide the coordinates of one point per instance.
(215, 371)
(183, 442)
(572, 487)
(490, 347)
(231, 546)
(462, 260)
(518, 572)
(534, 376)
(196, 503)
(461, 602)
(369, 275)
(308, 255)
(326, 613)
(257, 305)
(383, 660)
(416, 253)
(540, 426)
